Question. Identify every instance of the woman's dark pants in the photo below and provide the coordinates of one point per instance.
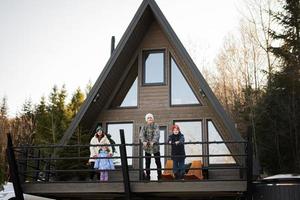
(148, 163)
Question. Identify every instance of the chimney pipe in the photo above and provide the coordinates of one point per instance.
(112, 45)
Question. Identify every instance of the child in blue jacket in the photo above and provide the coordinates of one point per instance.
(104, 163)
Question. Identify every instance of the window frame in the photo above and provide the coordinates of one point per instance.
(170, 85)
(144, 53)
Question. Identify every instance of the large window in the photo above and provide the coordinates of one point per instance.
(114, 130)
(217, 149)
(130, 99)
(153, 67)
(181, 92)
(192, 131)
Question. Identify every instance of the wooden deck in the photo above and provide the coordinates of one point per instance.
(166, 189)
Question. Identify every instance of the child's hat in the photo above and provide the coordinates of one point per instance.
(99, 128)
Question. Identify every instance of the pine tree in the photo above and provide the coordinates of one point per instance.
(62, 120)
(77, 139)
(3, 107)
(76, 101)
(73, 107)
(57, 111)
(278, 124)
(43, 123)
(52, 109)
(26, 126)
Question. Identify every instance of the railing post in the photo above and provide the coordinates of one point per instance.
(47, 177)
(37, 166)
(141, 171)
(124, 165)
(249, 164)
(13, 169)
(23, 164)
(206, 159)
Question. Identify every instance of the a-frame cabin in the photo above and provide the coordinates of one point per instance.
(150, 71)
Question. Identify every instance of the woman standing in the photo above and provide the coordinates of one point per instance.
(149, 136)
(99, 138)
(176, 139)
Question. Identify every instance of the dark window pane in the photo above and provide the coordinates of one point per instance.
(214, 135)
(131, 97)
(154, 68)
(180, 89)
(192, 131)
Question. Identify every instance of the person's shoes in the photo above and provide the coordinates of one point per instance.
(181, 177)
(147, 177)
(159, 177)
(176, 176)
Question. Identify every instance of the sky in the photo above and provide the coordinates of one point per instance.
(55, 42)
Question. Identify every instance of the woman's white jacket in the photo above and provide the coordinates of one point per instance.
(94, 150)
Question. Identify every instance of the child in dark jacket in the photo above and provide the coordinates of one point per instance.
(176, 139)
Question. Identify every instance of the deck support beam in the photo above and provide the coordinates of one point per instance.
(13, 169)
(249, 164)
(125, 171)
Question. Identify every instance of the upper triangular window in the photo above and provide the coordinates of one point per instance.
(127, 95)
(215, 149)
(181, 92)
(130, 99)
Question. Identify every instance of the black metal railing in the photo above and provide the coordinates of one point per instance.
(58, 163)
(35, 166)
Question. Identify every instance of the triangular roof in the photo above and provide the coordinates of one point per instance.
(95, 101)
